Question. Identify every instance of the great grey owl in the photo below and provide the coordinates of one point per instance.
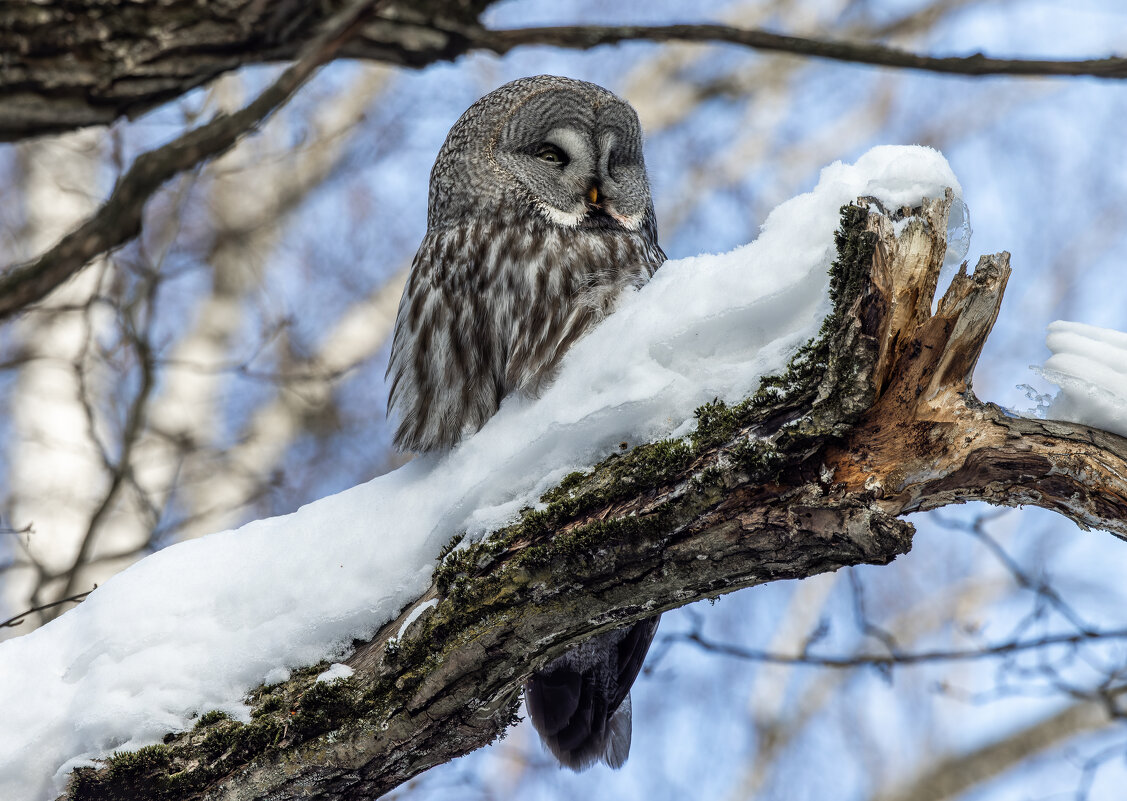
(539, 217)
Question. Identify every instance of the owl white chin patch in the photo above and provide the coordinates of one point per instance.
(568, 218)
(631, 222)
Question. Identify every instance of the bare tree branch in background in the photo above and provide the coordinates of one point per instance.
(897, 657)
(776, 721)
(119, 218)
(587, 36)
(665, 94)
(950, 777)
(16, 620)
(786, 710)
(216, 483)
(57, 463)
(134, 425)
(226, 484)
(172, 461)
(184, 478)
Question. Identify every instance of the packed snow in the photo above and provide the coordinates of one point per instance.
(1089, 364)
(337, 670)
(414, 615)
(194, 627)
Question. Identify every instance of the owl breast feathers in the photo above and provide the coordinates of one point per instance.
(539, 217)
(489, 308)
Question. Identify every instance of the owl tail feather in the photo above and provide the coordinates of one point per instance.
(575, 726)
(580, 704)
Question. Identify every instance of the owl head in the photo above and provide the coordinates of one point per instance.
(566, 150)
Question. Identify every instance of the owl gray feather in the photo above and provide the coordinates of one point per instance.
(539, 217)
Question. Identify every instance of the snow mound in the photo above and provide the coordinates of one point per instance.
(1089, 364)
(194, 627)
(335, 671)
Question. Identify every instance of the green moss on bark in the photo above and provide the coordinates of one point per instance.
(282, 715)
(827, 378)
(211, 718)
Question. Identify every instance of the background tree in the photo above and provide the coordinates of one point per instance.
(227, 364)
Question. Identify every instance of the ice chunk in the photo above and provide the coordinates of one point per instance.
(1089, 364)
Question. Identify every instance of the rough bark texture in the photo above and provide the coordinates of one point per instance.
(119, 219)
(69, 64)
(72, 63)
(873, 419)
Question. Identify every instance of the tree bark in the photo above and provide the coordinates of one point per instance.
(66, 65)
(88, 62)
(872, 420)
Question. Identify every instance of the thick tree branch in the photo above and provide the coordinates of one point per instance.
(873, 420)
(119, 218)
(80, 63)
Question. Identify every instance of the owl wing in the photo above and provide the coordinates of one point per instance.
(632, 650)
(445, 366)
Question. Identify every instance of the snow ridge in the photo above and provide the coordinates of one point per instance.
(1089, 364)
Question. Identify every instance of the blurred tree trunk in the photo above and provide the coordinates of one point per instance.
(216, 483)
(93, 506)
(55, 466)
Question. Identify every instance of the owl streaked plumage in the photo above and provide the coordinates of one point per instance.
(540, 216)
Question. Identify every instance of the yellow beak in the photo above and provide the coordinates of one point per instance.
(593, 195)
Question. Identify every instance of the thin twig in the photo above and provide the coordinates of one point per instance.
(120, 470)
(895, 657)
(977, 529)
(584, 37)
(16, 620)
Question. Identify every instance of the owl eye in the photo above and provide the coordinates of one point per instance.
(551, 154)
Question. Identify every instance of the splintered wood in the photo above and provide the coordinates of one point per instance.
(928, 441)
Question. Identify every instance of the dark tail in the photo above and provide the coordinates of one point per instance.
(580, 702)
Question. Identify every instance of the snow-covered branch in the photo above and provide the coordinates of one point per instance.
(873, 419)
